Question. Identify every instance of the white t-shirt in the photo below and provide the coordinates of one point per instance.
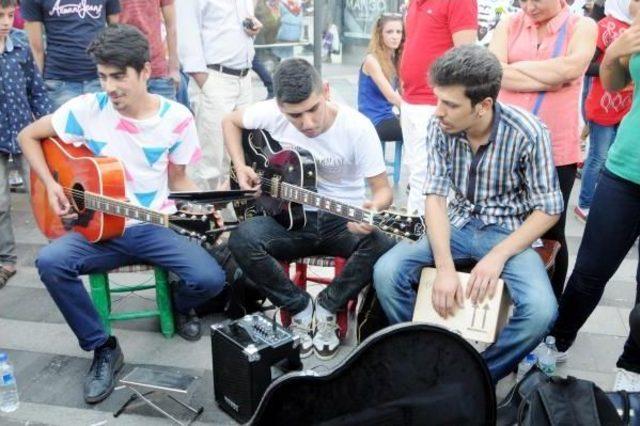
(347, 153)
(144, 147)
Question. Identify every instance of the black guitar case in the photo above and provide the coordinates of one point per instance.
(407, 374)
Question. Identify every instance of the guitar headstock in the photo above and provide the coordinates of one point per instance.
(194, 210)
(399, 224)
(194, 221)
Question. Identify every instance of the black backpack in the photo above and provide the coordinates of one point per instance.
(539, 400)
(240, 295)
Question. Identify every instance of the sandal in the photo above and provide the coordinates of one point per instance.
(5, 274)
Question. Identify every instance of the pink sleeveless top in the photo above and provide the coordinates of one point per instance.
(559, 109)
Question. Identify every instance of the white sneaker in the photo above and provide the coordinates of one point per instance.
(303, 330)
(325, 339)
(626, 380)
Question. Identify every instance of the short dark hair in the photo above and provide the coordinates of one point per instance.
(120, 46)
(8, 3)
(471, 66)
(295, 80)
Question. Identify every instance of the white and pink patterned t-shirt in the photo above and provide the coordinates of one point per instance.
(144, 147)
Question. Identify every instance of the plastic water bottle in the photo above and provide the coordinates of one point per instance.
(547, 360)
(8, 390)
(525, 365)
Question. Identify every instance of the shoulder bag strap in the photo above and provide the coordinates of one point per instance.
(562, 35)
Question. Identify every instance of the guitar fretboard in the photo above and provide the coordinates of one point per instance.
(304, 196)
(121, 208)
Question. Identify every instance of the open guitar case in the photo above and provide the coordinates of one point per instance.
(407, 374)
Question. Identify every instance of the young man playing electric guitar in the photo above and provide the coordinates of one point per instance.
(154, 139)
(347, 151)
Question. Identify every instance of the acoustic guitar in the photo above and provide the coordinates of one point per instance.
(95, 187)
(288, 181)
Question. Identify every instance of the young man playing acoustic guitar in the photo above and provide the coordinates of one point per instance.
(154, 139)
(494, 163)
(347, 151)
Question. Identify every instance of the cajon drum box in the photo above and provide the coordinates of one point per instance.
(481, 322)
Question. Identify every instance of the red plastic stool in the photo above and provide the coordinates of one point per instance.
(300, 279)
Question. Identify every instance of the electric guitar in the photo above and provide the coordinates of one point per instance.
(95, 187)
(288, 180)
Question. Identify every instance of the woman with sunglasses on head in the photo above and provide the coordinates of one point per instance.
(545, 50)
(378, 78)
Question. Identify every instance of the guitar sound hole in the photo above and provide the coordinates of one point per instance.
(77, 197)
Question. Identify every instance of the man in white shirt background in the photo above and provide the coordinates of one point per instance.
(215, 45)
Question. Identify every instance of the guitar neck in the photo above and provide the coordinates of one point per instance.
(120, 208)
(299, 195)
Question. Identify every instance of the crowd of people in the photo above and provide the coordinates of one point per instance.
(492, 147)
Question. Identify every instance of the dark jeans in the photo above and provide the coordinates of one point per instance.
(264, 75)
(389, 130)
(260, 243)
(612, 227)
(566, 177)
(62, 262)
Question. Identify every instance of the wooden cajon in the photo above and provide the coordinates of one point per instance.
(481, 323)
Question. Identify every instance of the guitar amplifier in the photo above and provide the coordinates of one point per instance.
(243, 352)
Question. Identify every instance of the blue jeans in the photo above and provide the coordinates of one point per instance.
(60, 91)
(600, 140)
(62, 262)
(163, 87)
(264, 75)
(182, 94)
(396, 275)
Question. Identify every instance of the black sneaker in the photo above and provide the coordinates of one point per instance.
(188, 326)
(101, 378)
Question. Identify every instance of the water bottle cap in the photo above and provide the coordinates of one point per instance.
(550, 340)
(3, 357)
(532, 358)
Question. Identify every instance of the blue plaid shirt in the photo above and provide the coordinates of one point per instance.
(505, 180)
(22, 92)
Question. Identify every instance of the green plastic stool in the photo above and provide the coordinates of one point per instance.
(101, 296)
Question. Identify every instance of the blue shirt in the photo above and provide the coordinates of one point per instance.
(371, 101)
(22, 92)
(70, 26)
(505, 180)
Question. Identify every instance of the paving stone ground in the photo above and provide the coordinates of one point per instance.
(50, 366)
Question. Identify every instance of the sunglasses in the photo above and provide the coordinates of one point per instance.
(391, 15)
